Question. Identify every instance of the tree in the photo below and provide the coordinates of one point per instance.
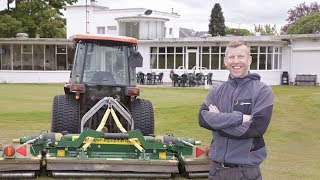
(41, 17)
(266, 29)
(216, 25)
(306, 25)
(9, 26)
(299, 11)
(238, 32)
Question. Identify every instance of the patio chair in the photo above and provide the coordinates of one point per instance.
(209, 78)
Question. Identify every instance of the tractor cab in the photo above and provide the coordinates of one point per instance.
(104, 60)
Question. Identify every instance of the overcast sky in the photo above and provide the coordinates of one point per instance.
(195, 14)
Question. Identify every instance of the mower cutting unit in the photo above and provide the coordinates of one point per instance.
(108, 155)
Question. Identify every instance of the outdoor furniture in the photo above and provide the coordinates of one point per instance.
(140, 78)
(149, 78)
(209, 78)
(306, 79)
(192, 79)
(199, 78)
(159, 77)
(175, 80)
(183, 80)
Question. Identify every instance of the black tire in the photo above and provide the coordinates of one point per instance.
(142, 115)
(65, 114)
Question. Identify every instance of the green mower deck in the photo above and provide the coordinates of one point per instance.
(99, 154)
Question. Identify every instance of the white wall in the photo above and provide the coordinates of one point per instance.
(305, 58)
(34, 76)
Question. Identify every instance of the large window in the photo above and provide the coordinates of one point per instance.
(167, 57)
(212, 57)
(142, 29)
(35, 57)
(266, 57)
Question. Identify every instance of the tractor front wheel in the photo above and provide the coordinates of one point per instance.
(142, 115)
(65, 114)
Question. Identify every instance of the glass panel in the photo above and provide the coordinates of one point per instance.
(170, 61)
(27, 48)
(275, 64)
(179, 60)
(153, 61)
(192, 60)
(16, 57)
(179, 49)
(214, 61)
(26, 61)
(215, 49)
(170, 49)
(280, 61)
(280, 49)
(270, 59)
(50, 57)
(38, 57)
(254, 49)
(276, 49)
(61, 49)
(222, 62)
(144, 28)
(205, 49)
(162, 61)
(276, 61)
(262, 62)
(152, 29)
(269, 64)
(153, 50)
(270, 49)
(263, 49)
(5, 57)
(61, 62)
(254, 62)
(135, 30)
(223, 49)
(162, 49)
(205, 60)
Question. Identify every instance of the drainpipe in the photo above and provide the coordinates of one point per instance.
(291, 57)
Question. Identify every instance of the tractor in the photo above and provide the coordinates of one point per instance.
(104, 66)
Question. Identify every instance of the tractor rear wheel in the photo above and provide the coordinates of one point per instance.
(65, 114)
(142, 115)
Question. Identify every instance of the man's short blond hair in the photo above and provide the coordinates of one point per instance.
(235, 44)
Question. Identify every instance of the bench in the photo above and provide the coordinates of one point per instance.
(306, 79)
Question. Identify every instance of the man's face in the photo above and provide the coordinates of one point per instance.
(238, 61)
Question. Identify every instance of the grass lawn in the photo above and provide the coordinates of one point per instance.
(293, 137)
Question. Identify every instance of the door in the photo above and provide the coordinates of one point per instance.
(192, 63)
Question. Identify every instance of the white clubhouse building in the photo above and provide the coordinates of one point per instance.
(162, 45)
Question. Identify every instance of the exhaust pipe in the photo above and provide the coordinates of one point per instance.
(17, 175)
(75, 174)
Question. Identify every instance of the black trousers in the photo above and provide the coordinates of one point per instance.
(218, 172)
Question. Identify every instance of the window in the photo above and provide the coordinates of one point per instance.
(166, 57)
(101, 30)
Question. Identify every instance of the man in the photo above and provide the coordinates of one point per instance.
(238, 113)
